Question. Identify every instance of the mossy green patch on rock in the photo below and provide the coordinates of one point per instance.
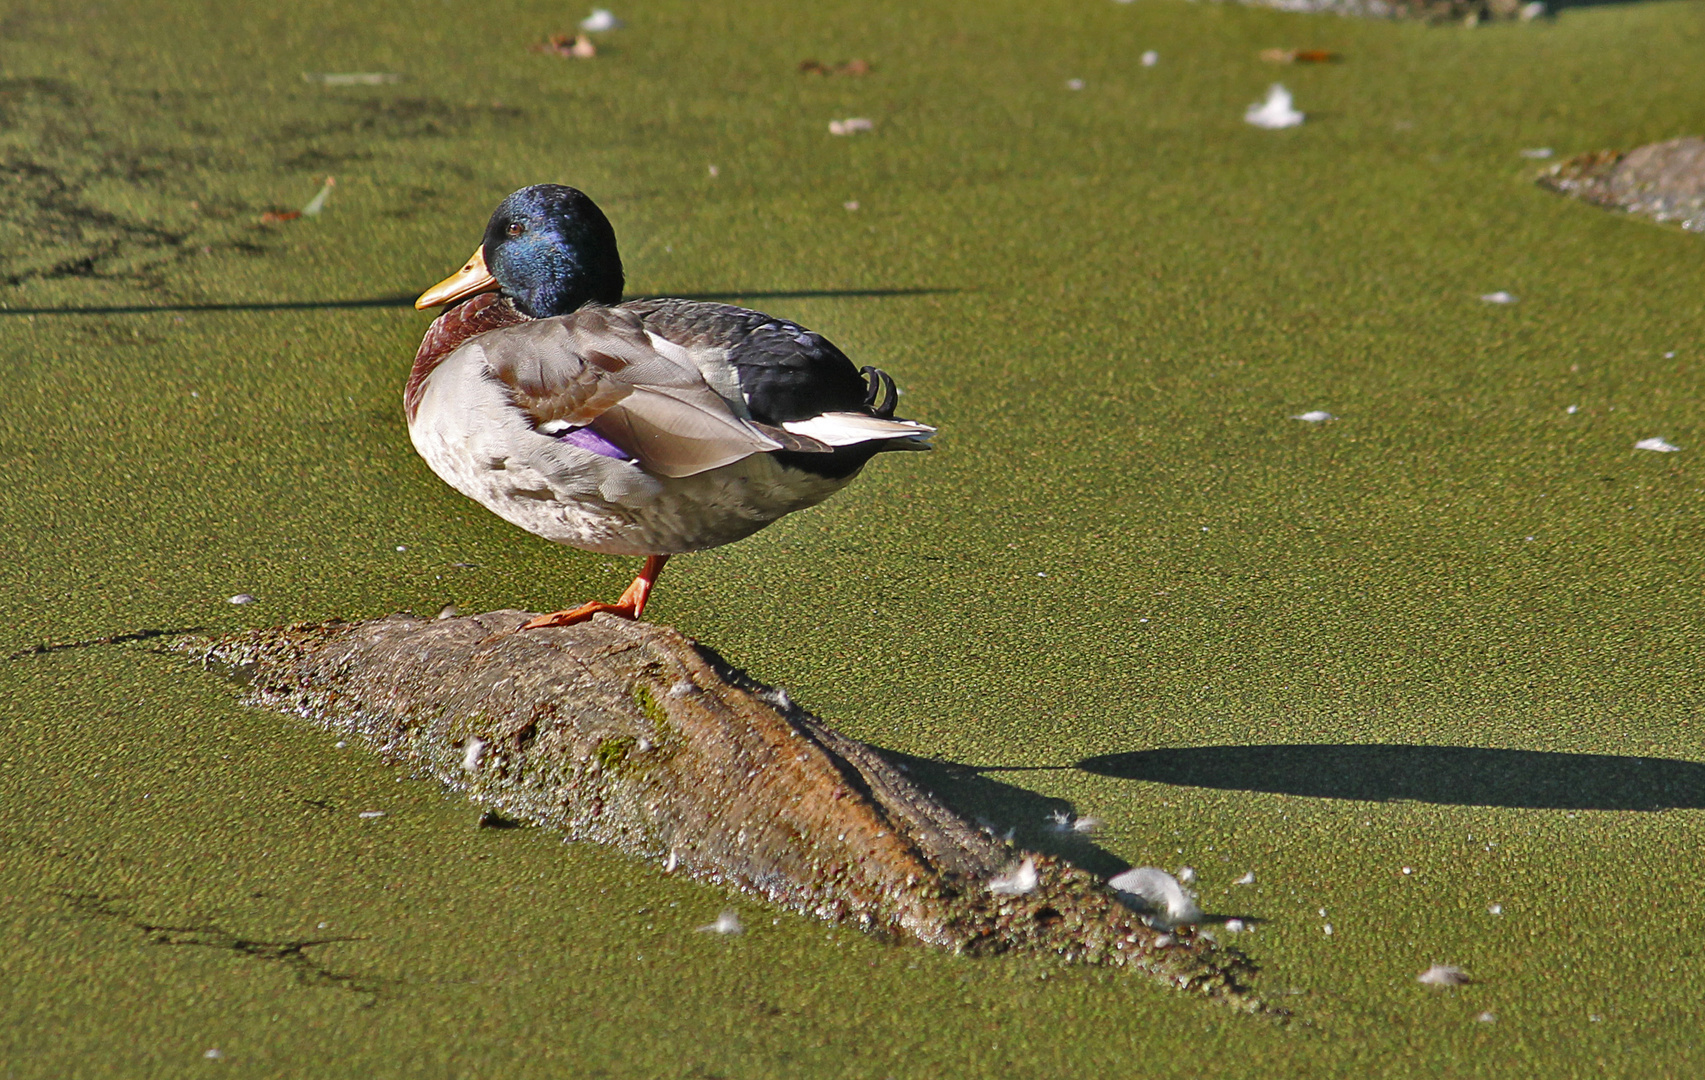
(647, 702)
(612, 753)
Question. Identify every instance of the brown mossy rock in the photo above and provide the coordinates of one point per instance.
(1469, 12)
(1663, 181)
(632, 735)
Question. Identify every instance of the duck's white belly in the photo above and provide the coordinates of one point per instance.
(473, 438)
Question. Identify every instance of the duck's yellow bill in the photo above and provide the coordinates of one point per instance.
(470, 279)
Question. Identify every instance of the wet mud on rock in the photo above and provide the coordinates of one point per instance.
(633, 735)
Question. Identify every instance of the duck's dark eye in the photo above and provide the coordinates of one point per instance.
(516, 228)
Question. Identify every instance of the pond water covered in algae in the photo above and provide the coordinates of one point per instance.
(1429, 670)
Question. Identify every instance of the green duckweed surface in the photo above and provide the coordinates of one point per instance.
(1460, 625)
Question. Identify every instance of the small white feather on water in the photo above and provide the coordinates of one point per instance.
(318, 203)
(1314, 416)
(242, 598)
(726, 923)
(352, 78)
(1274, 113)
(851, 125)
(600, 20)
(1061, 821)
(1151, 58)
(1537, 153)
(1443, 975)
(1657, 446)
(1016, 882)
(471, 754)
(1157, 894)
(1247, 879)
(1499, 297)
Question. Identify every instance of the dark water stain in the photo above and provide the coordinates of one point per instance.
(292, 953)
(335, 141)
(125, 638)
(47, 178)
(15, 91)
(69, 145)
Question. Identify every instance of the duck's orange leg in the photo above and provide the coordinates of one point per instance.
(630, 606)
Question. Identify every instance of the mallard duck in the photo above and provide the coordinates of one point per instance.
(651, 427)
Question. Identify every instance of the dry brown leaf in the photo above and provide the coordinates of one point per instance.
(1299, 56)
(577, 46)
(845, 67)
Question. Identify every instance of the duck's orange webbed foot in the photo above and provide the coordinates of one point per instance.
(579, 615)
(630, 606)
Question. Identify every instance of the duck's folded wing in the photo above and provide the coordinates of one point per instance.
(599, 368)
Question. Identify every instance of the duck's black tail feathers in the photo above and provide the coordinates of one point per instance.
(883, 395)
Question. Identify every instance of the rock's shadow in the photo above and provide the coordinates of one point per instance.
(1450, 775)
(1032, 821)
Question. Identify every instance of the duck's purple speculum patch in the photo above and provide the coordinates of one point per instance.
(587, 439)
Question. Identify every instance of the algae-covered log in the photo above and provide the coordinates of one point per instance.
(632, 735)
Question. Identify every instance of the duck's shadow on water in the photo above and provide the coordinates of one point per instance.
(1384, 772)
(408, 301)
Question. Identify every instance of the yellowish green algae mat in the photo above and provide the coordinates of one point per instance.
(1429, 671)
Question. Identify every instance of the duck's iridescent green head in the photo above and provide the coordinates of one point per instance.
(552, 250)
